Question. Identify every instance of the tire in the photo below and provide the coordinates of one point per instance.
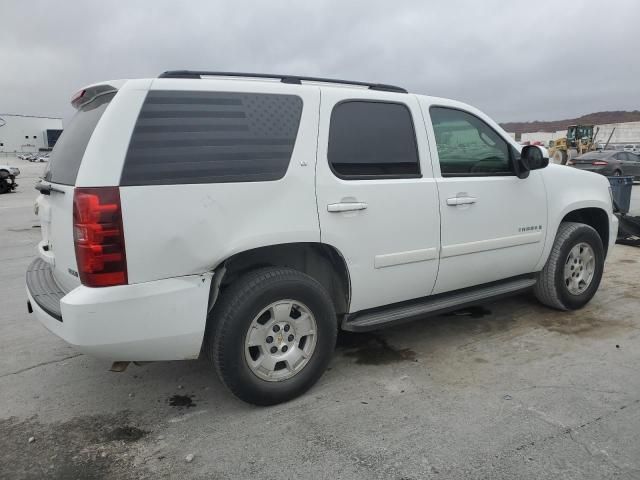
(5, 187)
(553, 288)
(560, 157)
(239, 311)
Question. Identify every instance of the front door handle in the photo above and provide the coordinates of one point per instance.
(346, 206)
(452, 202)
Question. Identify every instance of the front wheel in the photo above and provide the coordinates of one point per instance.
(573, 271)
(560, 157)
(271, 335)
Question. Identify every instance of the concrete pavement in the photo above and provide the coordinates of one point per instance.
(507, 390)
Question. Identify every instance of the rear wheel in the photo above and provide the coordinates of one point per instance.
(574, 268)
(271, 335)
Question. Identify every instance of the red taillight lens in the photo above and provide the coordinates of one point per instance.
(600, 163)
(99, 237)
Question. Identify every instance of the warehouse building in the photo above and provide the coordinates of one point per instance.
(618, 134)
(24, 133)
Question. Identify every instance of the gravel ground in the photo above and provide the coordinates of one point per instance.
(507, 390)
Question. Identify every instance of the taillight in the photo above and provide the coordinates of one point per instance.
(600, 163)
(99, 237)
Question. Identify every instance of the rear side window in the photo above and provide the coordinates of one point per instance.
(185, 137)
(467, 146)
(370, 139)
(67, 154)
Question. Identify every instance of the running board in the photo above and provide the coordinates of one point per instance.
(399, 312)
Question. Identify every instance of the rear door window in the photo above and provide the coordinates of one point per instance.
(186, 137)
(66, 157)
(369, 139)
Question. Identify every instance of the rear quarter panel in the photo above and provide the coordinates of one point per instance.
(175, 230)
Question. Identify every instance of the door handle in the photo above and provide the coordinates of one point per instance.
(452, 202)
(346, 206)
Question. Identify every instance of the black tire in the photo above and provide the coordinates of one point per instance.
(5, 187)
(551, 288)
(232, 316)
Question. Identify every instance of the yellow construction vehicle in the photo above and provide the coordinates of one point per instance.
(580, 139)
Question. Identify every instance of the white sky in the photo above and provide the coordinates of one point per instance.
(516, 60)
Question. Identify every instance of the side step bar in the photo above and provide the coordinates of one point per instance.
(392, 314)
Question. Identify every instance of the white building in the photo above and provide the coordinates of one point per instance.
(628, 132)
(623, 133)
(23, 133)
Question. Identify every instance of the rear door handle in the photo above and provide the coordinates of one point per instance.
(346, 206)
(452, 202)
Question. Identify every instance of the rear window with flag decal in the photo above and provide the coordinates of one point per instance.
(184, 137)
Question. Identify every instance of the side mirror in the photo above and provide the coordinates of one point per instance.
(531, 158)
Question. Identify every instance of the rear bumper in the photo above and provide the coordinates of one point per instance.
(159, 320)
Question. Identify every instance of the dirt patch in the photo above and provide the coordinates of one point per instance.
(627, 261)
(90, 447)
(127, 433)
(184, 401)
(372, 349)
(578, 323)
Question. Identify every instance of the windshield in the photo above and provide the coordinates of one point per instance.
(584, 132)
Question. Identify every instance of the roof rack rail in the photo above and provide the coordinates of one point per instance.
(294, 79)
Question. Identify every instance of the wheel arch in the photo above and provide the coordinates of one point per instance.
(321, 261)
(594, 217)
(595, 212)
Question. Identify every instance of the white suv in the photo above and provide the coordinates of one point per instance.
(250, 219)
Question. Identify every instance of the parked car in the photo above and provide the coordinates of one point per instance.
(23, 156)
(43, 157)
(610, 163)
(32, 157)
(8, 176)
(250, 220)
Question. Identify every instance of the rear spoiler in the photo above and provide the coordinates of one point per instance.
(90, 93)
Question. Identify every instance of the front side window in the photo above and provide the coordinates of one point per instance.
(467, 146)
(369, 139)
